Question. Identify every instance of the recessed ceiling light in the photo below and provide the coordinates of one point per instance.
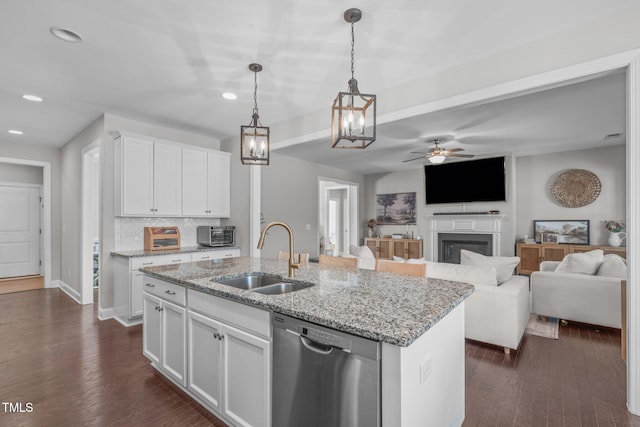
(34, 98)
(15, 132)
(66, 35)
(230, 96)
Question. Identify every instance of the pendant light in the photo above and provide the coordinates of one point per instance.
(353, 114)
(254, 138)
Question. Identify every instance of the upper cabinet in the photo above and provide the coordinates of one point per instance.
(154, 177)
(206, 183)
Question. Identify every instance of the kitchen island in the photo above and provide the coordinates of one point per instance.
(419, 321)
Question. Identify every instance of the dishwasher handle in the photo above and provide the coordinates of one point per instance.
(316, 347)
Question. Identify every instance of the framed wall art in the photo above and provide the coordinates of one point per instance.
(574, 232)
(396, 208)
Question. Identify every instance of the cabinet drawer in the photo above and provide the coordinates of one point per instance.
(148, 261)
(234, 313)
(168, 291)
(217, 254)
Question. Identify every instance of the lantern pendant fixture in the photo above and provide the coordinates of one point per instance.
(254, 138)
(353, 114)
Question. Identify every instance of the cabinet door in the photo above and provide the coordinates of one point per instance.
(136, 280)
(174, 341)
(137, 176)
(554, 252)
(385, 250)
(205, 359)
(151, 328)
(530, 256)
(219, 184)
(414, 249)
(399, 248)
(247, 373)
(167, 179)
(194, 182)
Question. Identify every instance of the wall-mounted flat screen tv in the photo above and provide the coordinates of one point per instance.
(481, 180)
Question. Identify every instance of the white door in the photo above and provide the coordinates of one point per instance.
(219, 184)
(137, 176)
(19, 231)
(194, 182)
(174, 342)
(167, 179)
(152, 328)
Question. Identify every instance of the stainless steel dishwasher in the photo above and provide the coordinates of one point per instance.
(323, 377)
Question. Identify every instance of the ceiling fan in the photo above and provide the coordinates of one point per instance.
(438, 155)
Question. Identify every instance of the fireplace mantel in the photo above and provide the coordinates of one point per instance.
(466, 224)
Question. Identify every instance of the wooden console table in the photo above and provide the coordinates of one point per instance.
(387, 248)
(532, 254)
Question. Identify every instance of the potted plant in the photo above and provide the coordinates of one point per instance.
(616, 232)
(372, 225)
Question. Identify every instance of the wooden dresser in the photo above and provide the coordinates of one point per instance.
(387, 248)
(532, 254)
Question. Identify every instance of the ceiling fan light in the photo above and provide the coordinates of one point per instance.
(436, 160)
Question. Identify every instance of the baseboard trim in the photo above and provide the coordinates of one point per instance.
(126, 322)
(75, 295)
(106, 313)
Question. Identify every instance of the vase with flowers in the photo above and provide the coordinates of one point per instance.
(616, 231)
(372, 225)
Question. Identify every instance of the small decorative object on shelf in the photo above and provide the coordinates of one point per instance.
(372, 225)
(616, 229)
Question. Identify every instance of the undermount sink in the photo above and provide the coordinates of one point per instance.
(282, 288)
(250, 281)
(261, 283)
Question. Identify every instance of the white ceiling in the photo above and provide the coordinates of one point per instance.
(168, 61)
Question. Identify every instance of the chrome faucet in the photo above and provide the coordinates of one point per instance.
(292, 264)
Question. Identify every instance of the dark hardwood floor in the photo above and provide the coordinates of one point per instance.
(78, 371)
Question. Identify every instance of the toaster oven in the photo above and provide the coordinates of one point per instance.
(216, 235)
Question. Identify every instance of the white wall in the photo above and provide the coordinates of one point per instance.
(534, 173)
(21, 150)
(20, 173)
(290, 194)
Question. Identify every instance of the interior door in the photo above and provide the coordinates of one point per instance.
(19, 231)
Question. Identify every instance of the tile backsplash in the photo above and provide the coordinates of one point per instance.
(129, 232)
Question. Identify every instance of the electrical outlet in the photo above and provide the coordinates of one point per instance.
(425, 369)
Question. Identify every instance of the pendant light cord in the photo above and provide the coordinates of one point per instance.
(255, 92)
(352, 48)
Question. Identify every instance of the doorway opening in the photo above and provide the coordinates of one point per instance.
(90, 222)
(337, 216)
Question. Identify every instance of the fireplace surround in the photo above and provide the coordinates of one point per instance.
(479, 232)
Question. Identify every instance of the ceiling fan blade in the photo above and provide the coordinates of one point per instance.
(455, 150)
(466, 156)
(420, 152)
(417, 158)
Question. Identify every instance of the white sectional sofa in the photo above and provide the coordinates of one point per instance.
(494, 314)
(591, 296)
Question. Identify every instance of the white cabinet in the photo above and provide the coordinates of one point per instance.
(230, 358)
(206, 183)
(164, 332)
(128, 283)
(148, 177)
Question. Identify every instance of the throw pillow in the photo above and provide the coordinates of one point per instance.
(613, 266)
(471, 274)
(361, 252)
(398, 259)
(416, 261)
(581, 262)
(504, 265)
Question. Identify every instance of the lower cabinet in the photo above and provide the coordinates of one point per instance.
(229, 370)
(217, 349)
(164, 336)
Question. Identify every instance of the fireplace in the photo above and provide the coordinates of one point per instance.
(479, 233)
(450, 244)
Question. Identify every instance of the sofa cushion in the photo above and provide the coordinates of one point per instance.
(613, 266)
(503, 265)
(581, 262)
(471, 274)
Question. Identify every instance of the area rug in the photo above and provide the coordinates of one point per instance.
(537, 327)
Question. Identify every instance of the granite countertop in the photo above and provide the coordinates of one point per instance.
(385, 307)
(183, 250)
